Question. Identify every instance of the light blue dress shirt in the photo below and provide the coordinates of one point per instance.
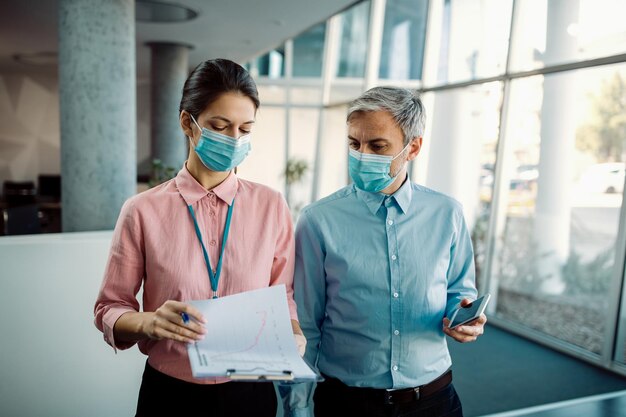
(375, 276)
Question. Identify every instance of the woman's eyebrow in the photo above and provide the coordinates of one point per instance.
(224, 119)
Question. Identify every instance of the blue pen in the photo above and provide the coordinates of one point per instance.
(185, 317)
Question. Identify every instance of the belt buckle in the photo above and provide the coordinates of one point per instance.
(389, 396)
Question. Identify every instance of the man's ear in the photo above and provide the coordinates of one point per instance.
(186, 124)
(414, 148)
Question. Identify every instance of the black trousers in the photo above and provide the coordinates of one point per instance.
(332, 398)
(162, 395)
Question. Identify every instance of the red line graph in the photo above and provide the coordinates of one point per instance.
(255, 343)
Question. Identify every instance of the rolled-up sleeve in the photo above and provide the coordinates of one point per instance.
(123, 275)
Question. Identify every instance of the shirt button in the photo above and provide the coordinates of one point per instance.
(396, 332)
(394, 257)
(395, 367)
(390, 222)
(212, 243)
(395, 295)
(212, 213)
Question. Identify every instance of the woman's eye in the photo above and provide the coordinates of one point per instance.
(219, 128)
(245, 132)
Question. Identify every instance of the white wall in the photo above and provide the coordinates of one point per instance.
(53, 360)
(29, 126)
(30, 134)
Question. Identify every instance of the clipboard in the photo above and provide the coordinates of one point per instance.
(250, 338)
(249, 375)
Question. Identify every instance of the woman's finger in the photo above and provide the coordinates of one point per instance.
(178, 320)
(167, 327)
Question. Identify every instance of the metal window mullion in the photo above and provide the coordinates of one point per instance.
(614, 333)
(288, 77)
(495, 216)
(331, 43)
(375, 41)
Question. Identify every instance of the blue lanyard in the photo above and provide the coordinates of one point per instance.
(214, 277)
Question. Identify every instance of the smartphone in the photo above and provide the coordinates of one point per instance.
(470, 312)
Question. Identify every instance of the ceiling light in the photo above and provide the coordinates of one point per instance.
(158, 12)
(44, 58)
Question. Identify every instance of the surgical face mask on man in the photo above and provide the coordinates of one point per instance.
(371, 172)
(220, 152)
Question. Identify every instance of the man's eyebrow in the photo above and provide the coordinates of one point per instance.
(371, 140)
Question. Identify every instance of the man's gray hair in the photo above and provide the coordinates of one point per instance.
(405, 107)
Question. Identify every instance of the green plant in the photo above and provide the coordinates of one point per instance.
(592, 277)
(294, 173)
(160, 173)
(479, 241)
(521, 258)
(295, 170)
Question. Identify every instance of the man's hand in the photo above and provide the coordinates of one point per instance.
(467, 332)
(299, 336)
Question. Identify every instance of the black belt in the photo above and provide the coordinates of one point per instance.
(399, 396)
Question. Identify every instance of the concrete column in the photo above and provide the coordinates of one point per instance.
(454, 155)
(169, 70)
(558, 135)
(98, 111)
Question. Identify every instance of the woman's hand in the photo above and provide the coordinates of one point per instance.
(467, 332)
(164, 323)
(167, 323)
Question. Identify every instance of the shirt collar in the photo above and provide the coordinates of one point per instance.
(403, 195)
(374, 200)
(192, 191)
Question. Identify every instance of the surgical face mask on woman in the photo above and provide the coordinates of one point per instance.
(370, 172)
(220, 152)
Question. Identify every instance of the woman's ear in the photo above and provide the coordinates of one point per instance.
(186, 124)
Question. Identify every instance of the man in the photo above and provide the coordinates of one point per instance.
(380, 267)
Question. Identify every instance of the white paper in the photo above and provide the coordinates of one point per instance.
(248, 336)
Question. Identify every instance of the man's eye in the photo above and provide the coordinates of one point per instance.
(353, 145)
(377, 147)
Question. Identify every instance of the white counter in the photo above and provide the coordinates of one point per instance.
(53, 360)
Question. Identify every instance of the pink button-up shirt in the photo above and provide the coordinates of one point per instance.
(155, 243)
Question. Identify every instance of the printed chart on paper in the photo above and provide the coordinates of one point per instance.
(248, 334)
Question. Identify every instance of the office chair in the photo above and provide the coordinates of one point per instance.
(21, 220)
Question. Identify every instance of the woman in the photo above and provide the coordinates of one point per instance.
(203, 234)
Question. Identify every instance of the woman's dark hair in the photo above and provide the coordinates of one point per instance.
(211, 79)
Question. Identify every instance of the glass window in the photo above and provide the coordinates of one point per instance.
(563, 179)
(344, 90)
(353, 41)
(271, 93)
(556, 32)
(308, 52)
(402, 52)
(306, 94)
(468, 39)
(266, 161)
(333, 169)
(271, 65)
(461, 149)
(303, 125)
